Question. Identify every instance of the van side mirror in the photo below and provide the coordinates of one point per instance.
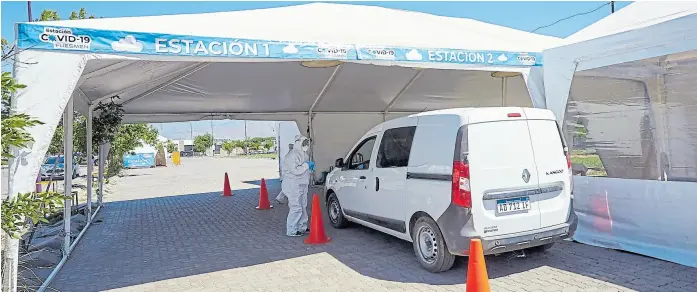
(339, 163)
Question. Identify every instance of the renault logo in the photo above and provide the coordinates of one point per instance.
(526, 175)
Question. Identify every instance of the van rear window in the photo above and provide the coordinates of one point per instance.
(461, 145)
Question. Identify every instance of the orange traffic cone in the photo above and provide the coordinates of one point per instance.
(227, 191)
(264, 197)
(477, 278)
(317, 235)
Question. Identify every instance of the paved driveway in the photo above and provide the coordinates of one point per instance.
(168, 229)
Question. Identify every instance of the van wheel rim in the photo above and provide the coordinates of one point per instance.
(428, 244)
(334, 211)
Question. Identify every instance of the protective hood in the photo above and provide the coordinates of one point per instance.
(301, 141)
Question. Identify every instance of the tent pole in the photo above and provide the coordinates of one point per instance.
(312, 150)
(90, 163)
(100, 175)
(662, 129)
(67, 173)
(324, 89)
(504, 90)
(310, 116)
(399, 94)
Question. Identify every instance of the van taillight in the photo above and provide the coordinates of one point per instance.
(514, 115)
(568, 160)
(461, 192)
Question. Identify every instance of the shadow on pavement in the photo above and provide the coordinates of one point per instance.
(274, 182)
(148, 240)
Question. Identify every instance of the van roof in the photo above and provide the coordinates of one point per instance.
(471, 115)
(483, 114)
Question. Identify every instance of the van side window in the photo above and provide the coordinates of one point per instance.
(360, 158)
(395, 147)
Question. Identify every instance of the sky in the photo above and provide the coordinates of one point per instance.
(526, 16)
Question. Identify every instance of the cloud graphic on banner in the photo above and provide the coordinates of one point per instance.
(290, 49)
(502, 58)
(414, 55)
(127, 44)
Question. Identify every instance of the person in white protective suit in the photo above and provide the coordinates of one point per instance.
(296, 170)
(281, 198)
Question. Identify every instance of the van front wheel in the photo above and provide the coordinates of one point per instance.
(335, 213)
(429, 246)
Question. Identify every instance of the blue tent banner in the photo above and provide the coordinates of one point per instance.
(139, 160)
(454, 56)
(40, 37)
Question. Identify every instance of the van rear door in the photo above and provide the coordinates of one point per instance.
(552, 166)
(503, 175)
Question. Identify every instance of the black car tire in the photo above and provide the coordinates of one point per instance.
(335, 212)
(439, 258)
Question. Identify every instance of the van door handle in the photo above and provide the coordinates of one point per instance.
(362, 177)
(377, 184)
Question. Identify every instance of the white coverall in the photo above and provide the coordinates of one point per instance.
(296, 179)
(281, 198)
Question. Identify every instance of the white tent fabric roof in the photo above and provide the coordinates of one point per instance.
(452, 67)
(640, 31)
(333, 23)
(634, 16)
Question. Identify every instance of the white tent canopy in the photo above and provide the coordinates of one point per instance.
(640, 31)
(348, 67)
(625, 88)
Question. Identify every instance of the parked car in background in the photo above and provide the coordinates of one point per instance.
(439, 179)
(54, 167)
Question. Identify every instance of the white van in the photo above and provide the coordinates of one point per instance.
(441, 178)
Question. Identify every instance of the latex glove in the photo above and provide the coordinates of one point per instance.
(311, 165)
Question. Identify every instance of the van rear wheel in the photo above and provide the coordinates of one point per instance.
(429, 246)
(335, 213)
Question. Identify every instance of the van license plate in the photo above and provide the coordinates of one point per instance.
(513, 205)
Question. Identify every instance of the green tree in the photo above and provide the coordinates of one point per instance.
(81, 14)
(203, 142)
(127, 138)
(229, 146)
(171, 147)
(49, 15)
(238, 144)
(34, 206)
(268, 144)
(255, 145)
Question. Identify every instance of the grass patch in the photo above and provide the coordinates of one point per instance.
(583, 152)
(591, 160)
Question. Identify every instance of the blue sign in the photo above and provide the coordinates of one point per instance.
(452, 56)
(139, 160)
(42, 37)
(106, 41)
